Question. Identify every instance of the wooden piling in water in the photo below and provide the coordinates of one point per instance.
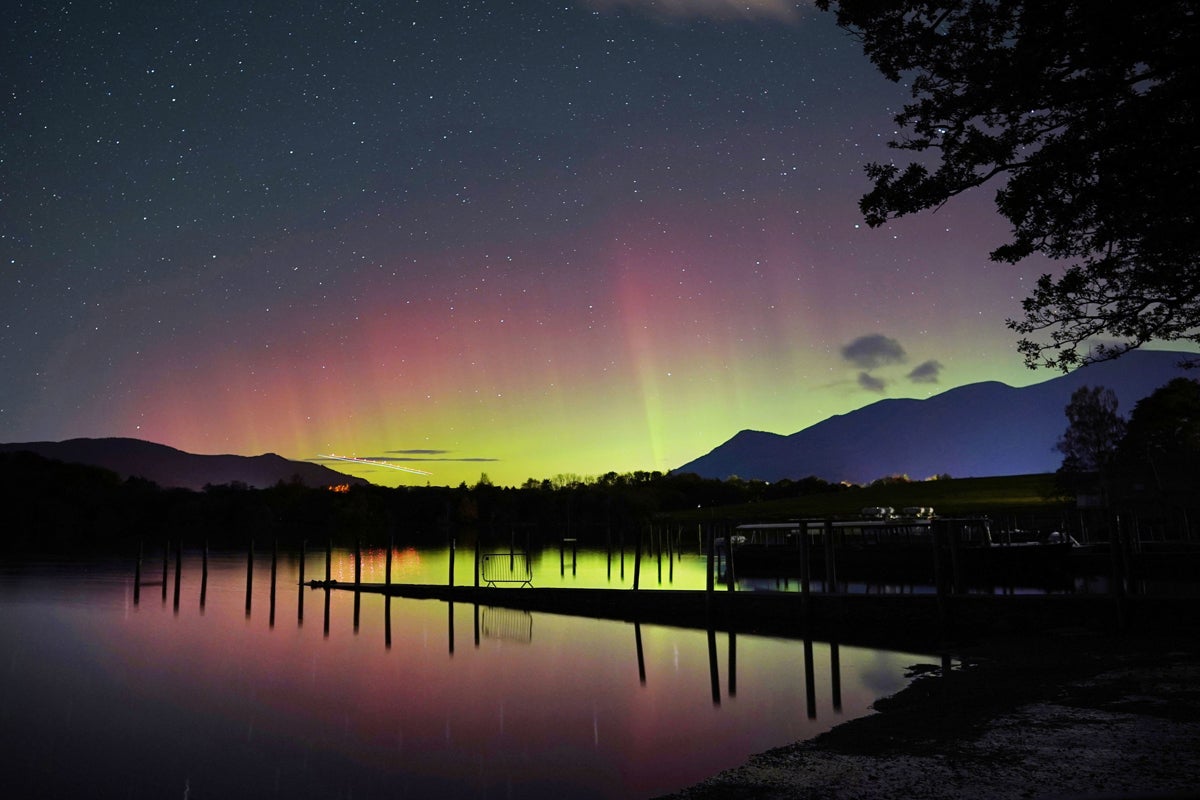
(387, 562)
(166, 562)
(328, 561)
(835, 675)
(358, 560)
(452, 549)
(805, 569)
(830, 559)
(637, 561)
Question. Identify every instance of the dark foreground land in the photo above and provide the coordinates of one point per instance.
(1064, 714)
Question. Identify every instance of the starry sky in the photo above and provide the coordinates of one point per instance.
(522, 239)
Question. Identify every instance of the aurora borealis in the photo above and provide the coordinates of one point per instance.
(520, 239)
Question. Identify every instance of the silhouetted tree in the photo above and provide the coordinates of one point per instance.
(1085, 112)
(1161, 449)
(1094, 430)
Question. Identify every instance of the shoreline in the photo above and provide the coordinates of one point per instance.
(1069, 714)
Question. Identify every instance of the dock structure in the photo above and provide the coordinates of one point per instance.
(899, 620)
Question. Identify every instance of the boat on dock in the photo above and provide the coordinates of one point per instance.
(904, 548)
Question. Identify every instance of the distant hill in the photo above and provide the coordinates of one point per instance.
(171, 468)
(977, 430)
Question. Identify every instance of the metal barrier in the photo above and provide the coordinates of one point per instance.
(506, 568)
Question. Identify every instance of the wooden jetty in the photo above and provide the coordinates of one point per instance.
(887, 620)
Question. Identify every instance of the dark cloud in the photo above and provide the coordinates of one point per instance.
(869, 382)
(874, 350)
(926, 372)
(418, 452)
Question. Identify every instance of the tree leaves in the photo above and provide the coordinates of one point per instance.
(1084, 112)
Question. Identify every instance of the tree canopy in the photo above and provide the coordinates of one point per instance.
(1084, 114)
(1094, 430)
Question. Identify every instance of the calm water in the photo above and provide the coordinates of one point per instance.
(103, 696)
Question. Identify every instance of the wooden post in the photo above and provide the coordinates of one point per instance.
(166, 561)
(637, 560)
(477, 559)
(357, 562)
(452, 548)
(708, 585)
(730, 571)
(387, 564)
(805, 568)
(830, 560)
(328, 561)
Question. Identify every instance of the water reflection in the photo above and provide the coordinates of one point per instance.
(230, 703)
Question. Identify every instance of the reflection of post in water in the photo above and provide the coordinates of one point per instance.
(137, 574)
(835, 675)
(178, 573)
(300, 593)
(732, 664)
(713, 675)
(274, 567)
(450, 624)
(327, 592)
(204, 575)
(810, 680)
(641, 657)
(249, 573)
(387, 622)
(357, 581)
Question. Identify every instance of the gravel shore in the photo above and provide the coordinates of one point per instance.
(1069, 715)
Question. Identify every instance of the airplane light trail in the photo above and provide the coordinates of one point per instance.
(375, 463)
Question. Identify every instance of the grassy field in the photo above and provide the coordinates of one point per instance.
(1007, 497)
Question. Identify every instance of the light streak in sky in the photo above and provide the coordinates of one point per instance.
(354, 460)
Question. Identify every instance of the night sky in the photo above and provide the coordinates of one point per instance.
(520, 239)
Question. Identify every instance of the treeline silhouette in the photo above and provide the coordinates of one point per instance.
(51, 506)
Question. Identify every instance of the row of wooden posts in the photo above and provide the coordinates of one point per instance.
(810, 687)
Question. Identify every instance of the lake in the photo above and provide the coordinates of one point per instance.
(112, 691)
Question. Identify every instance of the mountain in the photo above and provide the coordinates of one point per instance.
(976, 430)
(171, 468)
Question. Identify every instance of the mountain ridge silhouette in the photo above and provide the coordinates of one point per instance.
(977, 430)
(171, 468)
